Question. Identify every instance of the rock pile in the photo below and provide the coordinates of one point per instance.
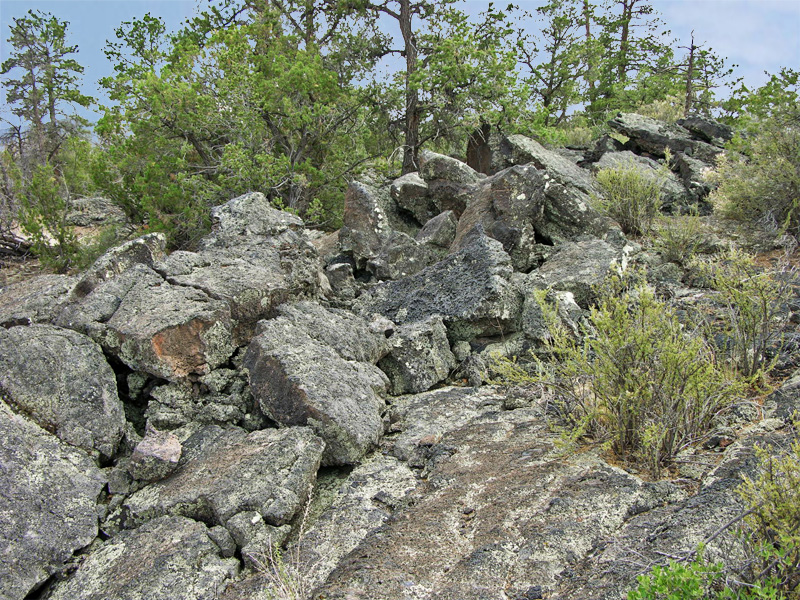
(164, 419)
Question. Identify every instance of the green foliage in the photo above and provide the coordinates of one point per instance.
(772, 528)
(753, 302)
(631, 196)
(679, 237)
(43, 218)
(759, 177)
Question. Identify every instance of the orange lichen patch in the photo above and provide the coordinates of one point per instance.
(182, 347)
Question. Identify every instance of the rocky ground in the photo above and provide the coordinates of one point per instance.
(167, 419)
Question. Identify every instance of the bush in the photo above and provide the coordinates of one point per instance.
(679, 238)
(754, 308)
(759, 177)
(638, 379)
(631, 196)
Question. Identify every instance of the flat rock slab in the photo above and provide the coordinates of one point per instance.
(48, 504)
(227, 471)
(501, 512)
(37, 300)
(170, 558)
(471, 290)
(655, 137)
(299, 380)
(61, 380)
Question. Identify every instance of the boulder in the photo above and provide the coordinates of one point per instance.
(169, 558)
(537, 321)
(226, 471)
(168, 331)
(410, 192)
(420, 359)
(401, 256)
(351, 337)
(471, 290)
(508, 206)
(440, 231)
(156, 456)
(92, 212)
(299, 380)
(784, 403)
(655, 137)
(521, 150)
(707, 129)
(146, 250)
(48, 504)
(248, 217)
(36, 300)
(578, 267)
(61, 380)
(437, 167)
(694, 174)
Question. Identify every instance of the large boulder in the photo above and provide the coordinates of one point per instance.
(421, 357)
(171, 558)
(707, 129)
(169, 331)
(440, 167)
(226, 471)
(48, 504)
(249, 217)
(410, 192)
(440, 231)
(471, 290)
(91, 212)
(146, 250)
(654, 137)
(300, 380)
(61, 380)
(36, 300)
(581, 266)
(521, 150)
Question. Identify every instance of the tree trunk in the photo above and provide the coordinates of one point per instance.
(627, 14)
(411, 147)
(687, 107)
(589, 49)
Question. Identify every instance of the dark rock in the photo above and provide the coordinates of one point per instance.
(536, 324)
(226, 471)
(299, 380)
(471, 290)
(654, 137)
(342, 280)
(366, 225)
(61, 380)
(166, 559)
(47, 504)
(146, 250)
(784, 403)
(36, 300)
(693, 173)
(420, 359)
(440, 231)
(707, 129)
(605, 144)
(401, 256)
(451, 195)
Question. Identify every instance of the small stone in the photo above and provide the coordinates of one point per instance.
(156, 456)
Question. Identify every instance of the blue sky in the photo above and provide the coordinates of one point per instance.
(757, 35)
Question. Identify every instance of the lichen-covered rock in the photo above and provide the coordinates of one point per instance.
(579, 266)
(439, 231)
(420, 359)
(226, 471)
(471, 290)
(299, 380)
(61, 380)
(169, 331)
(352, 337)
(707, 129)
(48, 504)
(522, 150)
(156, 456)
(536, 325)
(146, 250)
(411, 193)
(694, 174)
(36, 300)
(171, 558)
(401, 256)
(91, 212)
(440, 167)
(247, 217)
(654, 137)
